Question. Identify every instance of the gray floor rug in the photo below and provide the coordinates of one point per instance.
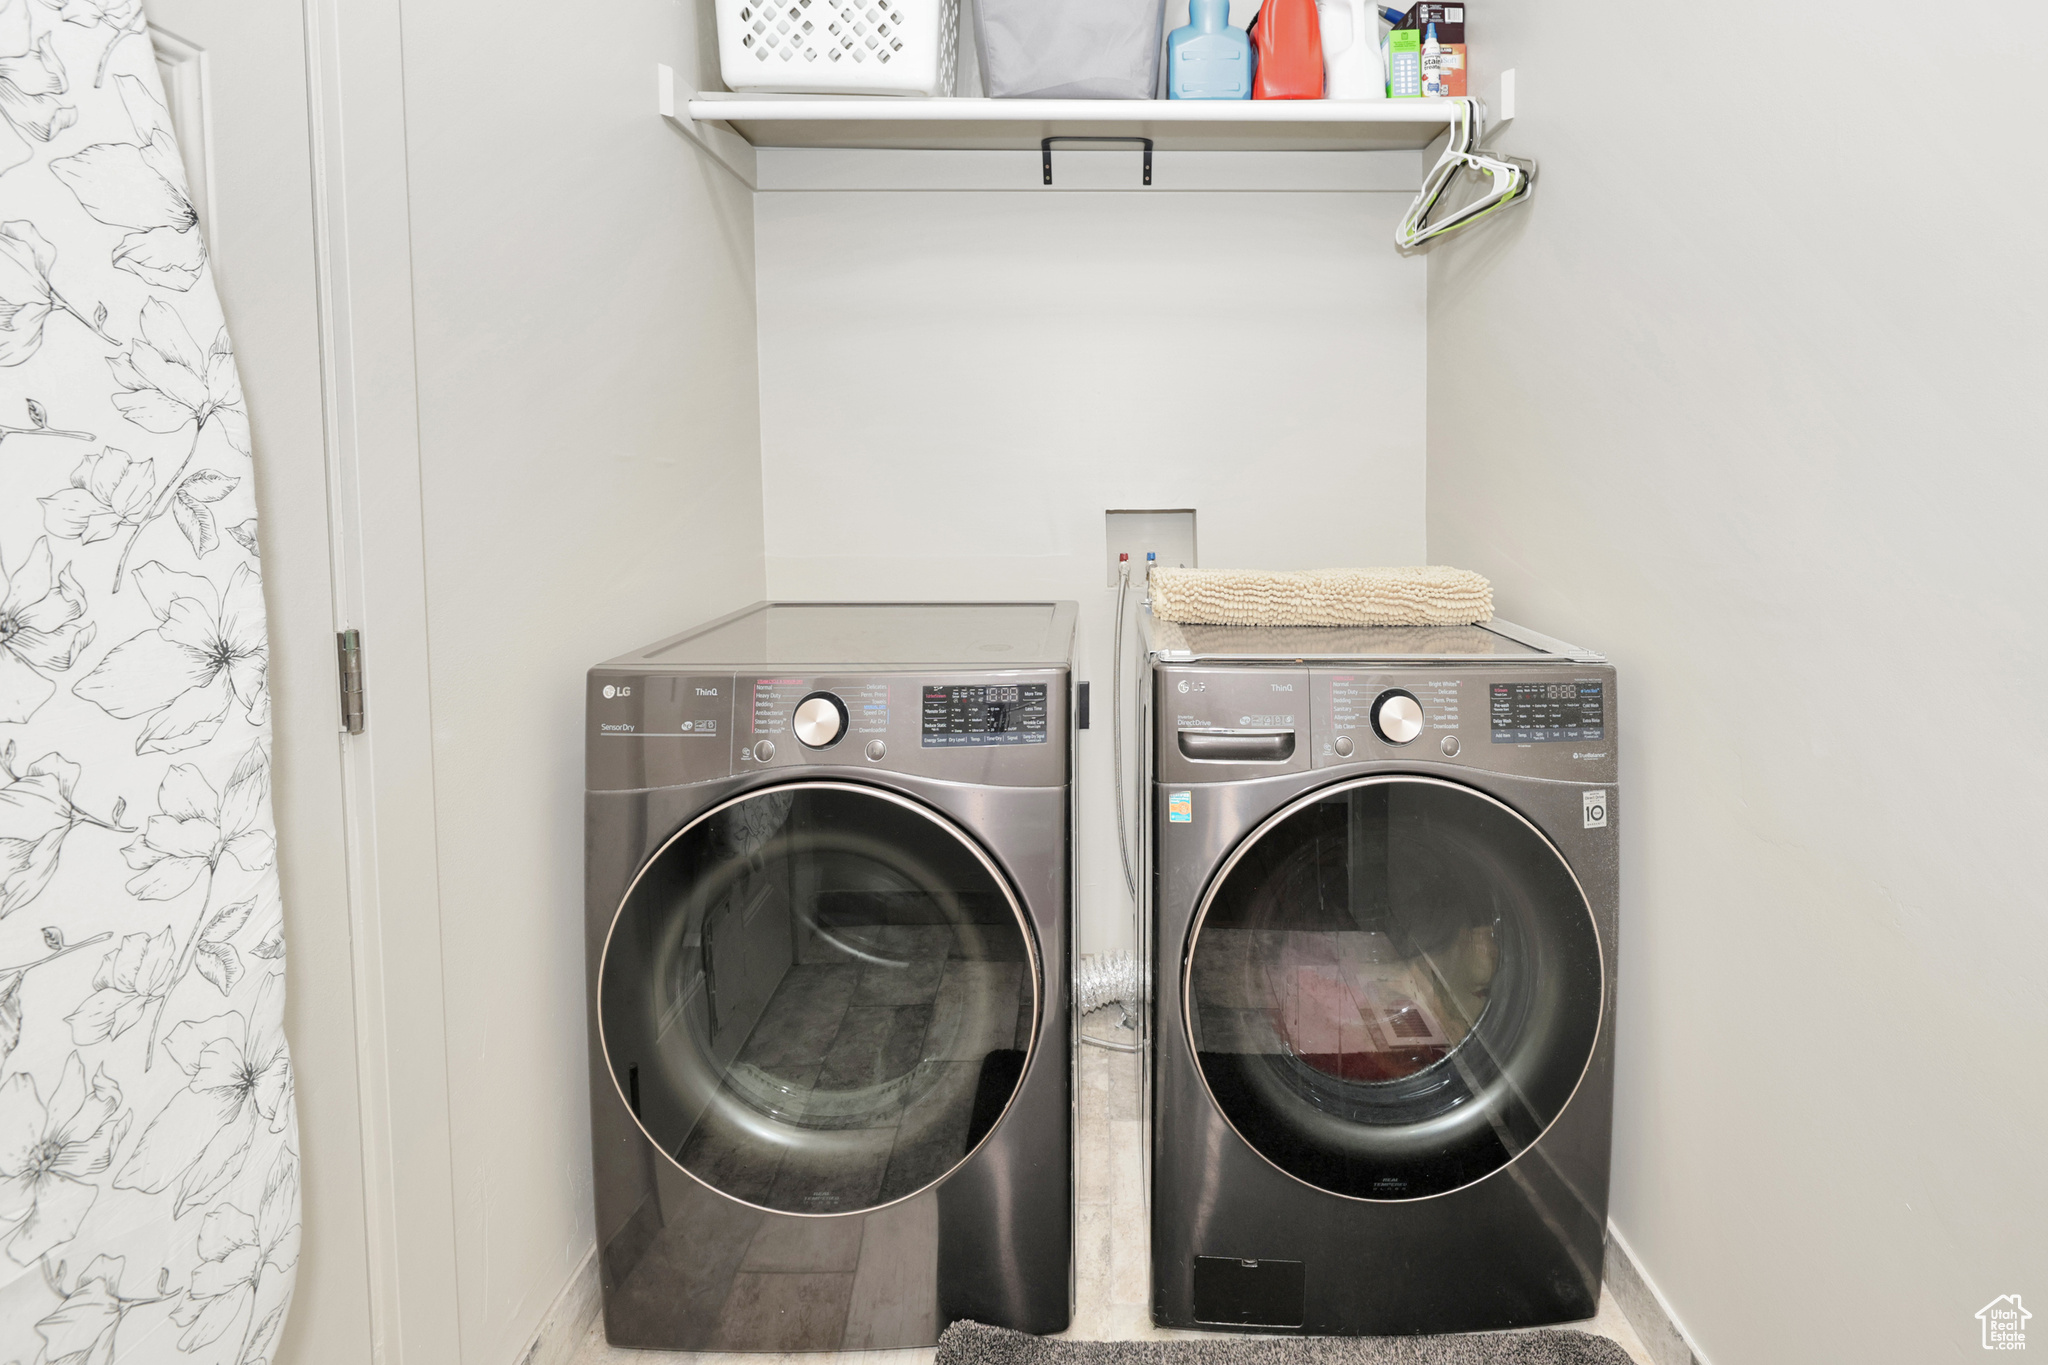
(971, 1343)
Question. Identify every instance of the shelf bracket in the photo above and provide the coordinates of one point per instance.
(727, 148)
(1045, 151)
(1499, 104)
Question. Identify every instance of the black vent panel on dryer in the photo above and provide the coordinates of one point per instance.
(1249, 1293)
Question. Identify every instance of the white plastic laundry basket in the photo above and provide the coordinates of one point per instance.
(838, 47)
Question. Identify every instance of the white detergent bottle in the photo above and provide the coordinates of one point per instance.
(1351, 51)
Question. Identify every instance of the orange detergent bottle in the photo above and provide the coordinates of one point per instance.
(1290, 44)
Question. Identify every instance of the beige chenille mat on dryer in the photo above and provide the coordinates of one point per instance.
(1429, 595)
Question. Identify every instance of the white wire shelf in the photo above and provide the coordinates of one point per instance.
(993, 125)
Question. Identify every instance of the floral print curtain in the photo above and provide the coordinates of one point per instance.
(149, 1191)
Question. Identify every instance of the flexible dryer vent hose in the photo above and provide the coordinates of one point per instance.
(1105, 979)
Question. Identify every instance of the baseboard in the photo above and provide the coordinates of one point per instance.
(568, 1318)
(1645, 1306)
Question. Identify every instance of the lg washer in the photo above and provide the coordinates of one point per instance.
(827, 925)
(1383, 913)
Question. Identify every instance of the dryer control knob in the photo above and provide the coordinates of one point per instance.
(1397, 716)
(820, 720)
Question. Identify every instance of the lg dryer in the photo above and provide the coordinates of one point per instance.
(1384, 922)
(827, 927)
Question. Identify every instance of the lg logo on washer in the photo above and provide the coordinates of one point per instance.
(610, 692)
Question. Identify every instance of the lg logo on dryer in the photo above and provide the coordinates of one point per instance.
(610, 691)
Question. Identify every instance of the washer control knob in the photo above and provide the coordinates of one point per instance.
(763, 751)
(1343, 746)
(820, 720)
(877, 751)
(1450, 746)
(1397, 716)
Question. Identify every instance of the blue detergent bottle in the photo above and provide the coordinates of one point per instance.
(1208, 59)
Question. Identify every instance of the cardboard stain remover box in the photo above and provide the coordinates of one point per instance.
(1426, 72)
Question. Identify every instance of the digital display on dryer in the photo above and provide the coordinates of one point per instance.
(1007, 714)
(1547, 712)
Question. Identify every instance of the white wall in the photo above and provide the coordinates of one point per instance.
(590, 482)
(1765, 426)
(956, 386)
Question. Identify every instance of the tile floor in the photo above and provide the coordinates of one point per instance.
(1111, 1242)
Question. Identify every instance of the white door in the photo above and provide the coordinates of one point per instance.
(235, 78)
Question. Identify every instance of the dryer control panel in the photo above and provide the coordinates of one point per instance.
(671, 729)
(969, 715)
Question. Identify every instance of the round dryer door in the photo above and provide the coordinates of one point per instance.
(1393, 987)
(818, 998)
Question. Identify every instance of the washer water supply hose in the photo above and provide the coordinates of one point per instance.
(1116, 724)
(1115, 978)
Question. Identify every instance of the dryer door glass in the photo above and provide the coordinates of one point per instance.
(819, 998)
(1393, 987)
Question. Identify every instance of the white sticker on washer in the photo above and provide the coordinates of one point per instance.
(1595, 804)
(1180, 808)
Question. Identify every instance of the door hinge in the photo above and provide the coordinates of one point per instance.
(348, 648)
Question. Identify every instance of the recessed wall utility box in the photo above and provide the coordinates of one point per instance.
(1168, 532)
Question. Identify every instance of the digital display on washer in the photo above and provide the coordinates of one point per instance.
(1540, 713)
(1012, 714)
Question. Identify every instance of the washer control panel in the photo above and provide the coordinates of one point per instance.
(1553, 720)
(1363, 714)
(1234, 722)
(1550, 712)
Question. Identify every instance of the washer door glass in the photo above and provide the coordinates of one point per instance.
(818, 998)
(1393, 987)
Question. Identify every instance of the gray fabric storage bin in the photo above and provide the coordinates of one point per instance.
(1070, 49)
